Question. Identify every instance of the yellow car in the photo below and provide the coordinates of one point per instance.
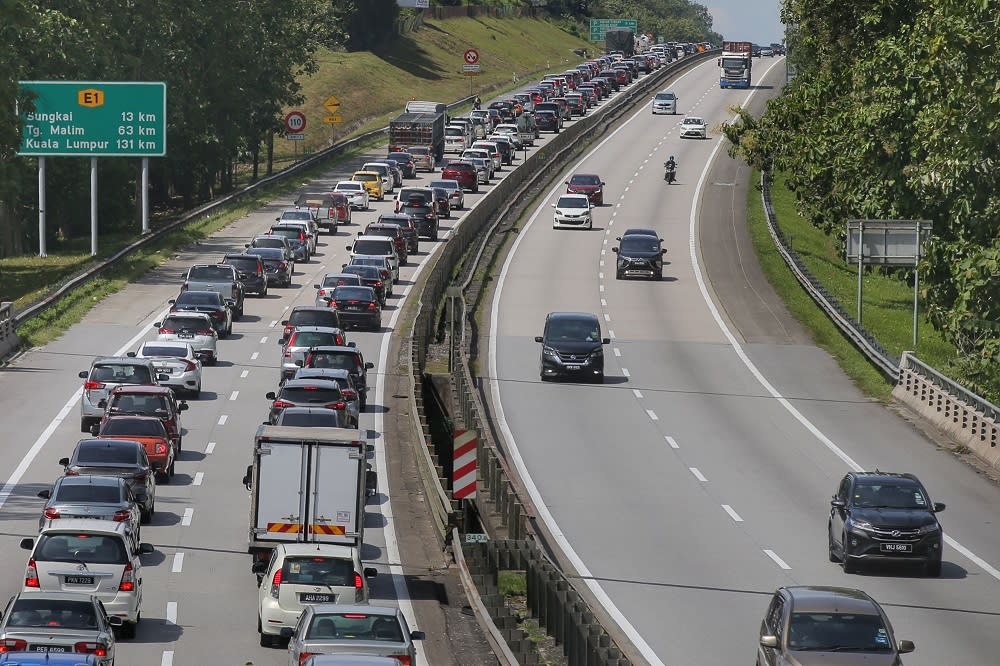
(372, 181)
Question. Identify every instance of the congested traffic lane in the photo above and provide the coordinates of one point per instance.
(697, 479)
(199, 598)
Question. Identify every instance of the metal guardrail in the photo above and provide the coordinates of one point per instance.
(8, 331)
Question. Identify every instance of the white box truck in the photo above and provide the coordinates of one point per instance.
(307, 485)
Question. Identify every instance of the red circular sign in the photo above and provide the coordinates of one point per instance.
(472, 56)
(295, 122)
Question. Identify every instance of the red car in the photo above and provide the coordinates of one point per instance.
(340, 212)
(589, 184)
(148, 431)
(464, 173)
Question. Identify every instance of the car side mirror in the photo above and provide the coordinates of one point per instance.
(343, 265)
(45, 494)
(938, 507)
(538, 338)
(172, 301)
(157, 324)
(258, 568)
(270, 395)
(905, 647)
(130, 354)
(370, 572)
(287, 632)
(553, 205)
(284, 322)
(82, 374)
(663, 251)
(277, 219)
(838, 503)
(369, 365)
(615, 250)
(348, 247)
(352, 344)
(64, 462)
(95, 429)
(417, 635)
(316, 286)
(146, 549)
(115, 621)
(246, 244)
(769, 642)
(605, 341)
(102, 403)
(27, 543)
(182, 407)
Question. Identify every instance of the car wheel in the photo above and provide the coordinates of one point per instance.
(475, 190)
(266, 641)
(599, 378)
(145, 516)
(845, 561)
(196, 393)
(128, 629)
(163, 477)
(932, 568)
(263, 294)
(618, 276)
(84, 424)
(172, 471)
(832, 548)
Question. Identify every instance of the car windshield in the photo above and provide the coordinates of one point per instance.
(152, 405)
(121, 374)
(185, 323)
(639, 245)
(313, 318)
(87, 547)
(373, 247)
(286, 232)
(134, 427)
(583, 330)
(103, 454)
(585, 179)
(296, 215)
(199, 298)
(52, 613)
(362, 177)
(338, 360)
(571, 202)
(693, 121)
(161, 351)
(352, 293)
(381, 231)
(312, 339)
(890, 496)
(838, 631)
(667, 97)
(310, 394)
(211, 273)
(244, 264)
(376, 262)
(355, 626)
(320, 418)
(314, 570)
(91, 493)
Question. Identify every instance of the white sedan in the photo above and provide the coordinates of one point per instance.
(194, 328)
(356, 193)
(175, 359)
(692, 126)
(572, 211)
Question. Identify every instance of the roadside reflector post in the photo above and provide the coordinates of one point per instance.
(463, 464)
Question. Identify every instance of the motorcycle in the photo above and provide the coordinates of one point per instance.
(669, 172)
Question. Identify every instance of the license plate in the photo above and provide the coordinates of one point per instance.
(185, 335)
(311, 598)
(49, 648)
(79, 580)
(356, 308)
(573, 367)
(897, 547)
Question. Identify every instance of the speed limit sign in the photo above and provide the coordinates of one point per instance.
(472, 56)
(295, 121)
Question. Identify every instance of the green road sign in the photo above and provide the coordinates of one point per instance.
(95, 118)
(599, 27)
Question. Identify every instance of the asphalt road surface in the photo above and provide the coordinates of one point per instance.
(199, 596)
(697, 479)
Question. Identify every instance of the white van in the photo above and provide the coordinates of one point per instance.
(378, 246)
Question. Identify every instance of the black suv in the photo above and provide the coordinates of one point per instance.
(250, 269)
(572, 346)
(878, 515)
(639, 255)
(347, 358)
(424, 215)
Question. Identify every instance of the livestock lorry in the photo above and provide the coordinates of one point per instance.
(735, 64)
(307, 485)
(420, 124)
(620, 40)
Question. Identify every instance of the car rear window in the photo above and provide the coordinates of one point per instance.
(267, 253)
(152, 405)
(50, 613)
(349, 187)
(315, 570)
(355, 626)
(386, 232)
(161, 351)
(244, 264)
(338, 280)
(134, 427)
(121, 374)
(211, 273)
(303, 215)
(366, 177)
(286, 232)
(364, 272)
(268, 242)
(372, 246)
(352, 293)
(321, 418)
(375, 262)
(103, 454)
(93, 493)
(312, 339)
(199, 298)
(86, 546)
(185, 323)
(313, 318)
(310, 394)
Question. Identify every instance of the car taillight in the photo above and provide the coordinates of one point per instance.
(384, 274)
(98, 649)
(339, 339)
(302, 236)
(282, 266)
(288, 331)
(31, 574)
(378, 283)
(281, 404)
(371, 306)
(287, 354)
(322, 292)
(13, 645)
(276, 583)
(127, 583)
(121, 515)
(160, 449)
(51, 513)
(190, 365)
(359, 582)
(350, 394)
(337, 405)
(333, 305)
(166, 330)
(218, 315)
(91, 385)
(304, 656)
(404, 659)
(72, 472)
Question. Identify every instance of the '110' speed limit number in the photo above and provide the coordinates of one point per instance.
(295, 121)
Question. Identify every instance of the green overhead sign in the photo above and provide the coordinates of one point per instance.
(95, 119)
(599, 27)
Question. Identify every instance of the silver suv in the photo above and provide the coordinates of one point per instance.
(107, 373)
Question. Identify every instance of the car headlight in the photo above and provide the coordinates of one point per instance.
(861, 526)
(597, 352)
(550, 352)
(929, 529)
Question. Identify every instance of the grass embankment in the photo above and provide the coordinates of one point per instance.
(887, 301)
(371, 86)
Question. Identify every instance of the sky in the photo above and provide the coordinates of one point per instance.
(755, 21)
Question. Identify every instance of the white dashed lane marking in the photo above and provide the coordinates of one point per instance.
(618, 352)
(652, 415)
(253, 356)
(178, 563)
(777, 560)
(698, 475)
(198, 478)
(168, 658)
(637, 393)
(672, 442)
(732, 514)
(223, 419)
(188, 515)
(234, 395)
(210, 448)
(171, 612)
(243, 375)
(263, 340)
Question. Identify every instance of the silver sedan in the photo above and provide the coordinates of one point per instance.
(90, 496)
(194, 328)
(455, 193)
(58, 622)
(177, 360)
(347, 629)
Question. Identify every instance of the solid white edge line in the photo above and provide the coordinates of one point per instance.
(178, 565)
(732, 513)
(777, 560)
(543, 511)
(758, 375)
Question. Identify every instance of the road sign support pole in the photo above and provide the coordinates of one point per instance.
(93, 206)
(861, 265)
(145, 195)
(916, 288)
(41, 207)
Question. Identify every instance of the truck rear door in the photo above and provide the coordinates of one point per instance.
(279, 509)
(336, 493)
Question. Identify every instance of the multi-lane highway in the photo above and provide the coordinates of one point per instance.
(697, 478)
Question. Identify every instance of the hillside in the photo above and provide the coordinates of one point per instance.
(427, 64)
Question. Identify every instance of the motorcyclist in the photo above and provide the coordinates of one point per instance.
(477, 103)
(669, 169)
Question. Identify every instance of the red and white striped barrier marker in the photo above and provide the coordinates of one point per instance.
(463, 464)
